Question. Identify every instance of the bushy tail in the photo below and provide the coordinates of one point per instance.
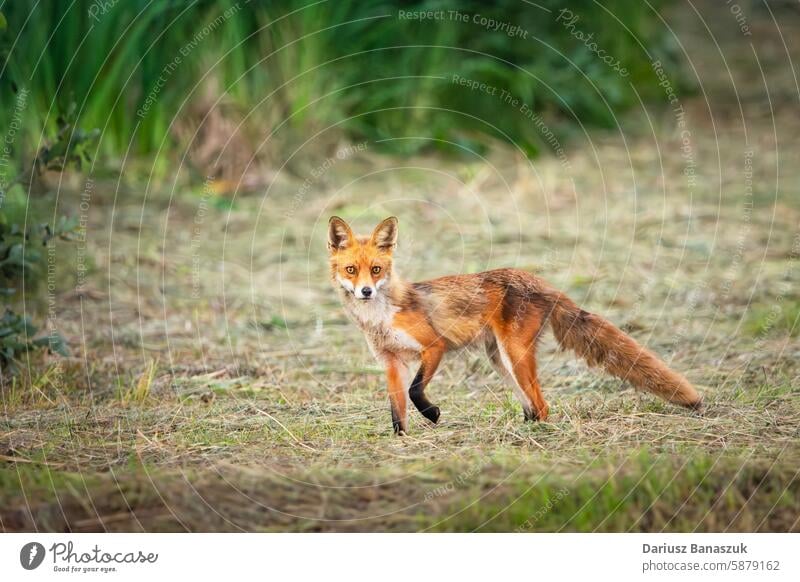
(602, 344)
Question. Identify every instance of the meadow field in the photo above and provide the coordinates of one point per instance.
(215, 384)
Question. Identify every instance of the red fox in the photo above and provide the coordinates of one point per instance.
(409, 324)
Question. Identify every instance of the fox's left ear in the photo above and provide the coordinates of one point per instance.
(385, 235)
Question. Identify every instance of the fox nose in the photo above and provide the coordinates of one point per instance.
(366, 291)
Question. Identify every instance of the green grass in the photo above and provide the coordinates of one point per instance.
(640, 492)
(780, 318)
(139, 388)
(296, 69)
(605, 462)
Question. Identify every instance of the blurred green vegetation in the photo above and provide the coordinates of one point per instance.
(29, 228)
(134, 67)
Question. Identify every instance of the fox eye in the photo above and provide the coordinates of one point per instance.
(376, 270)
(351, 270)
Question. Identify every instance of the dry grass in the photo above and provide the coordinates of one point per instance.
(216, 385)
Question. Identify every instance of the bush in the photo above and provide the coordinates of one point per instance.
(21, 266)
(355, 64)
(23, 236)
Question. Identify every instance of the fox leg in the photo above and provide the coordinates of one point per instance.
(396, 373)
(494, 357)
(429, 362)
(514, 353)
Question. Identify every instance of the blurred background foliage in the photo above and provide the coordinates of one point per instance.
(296, 69)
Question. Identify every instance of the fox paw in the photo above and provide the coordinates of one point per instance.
(534, 415)
(432, 413)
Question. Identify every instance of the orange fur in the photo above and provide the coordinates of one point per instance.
(415, 324)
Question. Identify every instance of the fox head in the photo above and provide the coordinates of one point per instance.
(360, 265)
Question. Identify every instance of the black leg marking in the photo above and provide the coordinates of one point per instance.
(417, 394)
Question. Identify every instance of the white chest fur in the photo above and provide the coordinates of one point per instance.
(375, 318)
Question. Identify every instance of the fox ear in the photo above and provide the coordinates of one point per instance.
(339, 234)
(385, 235)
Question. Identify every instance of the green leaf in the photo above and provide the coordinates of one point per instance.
(55, 342)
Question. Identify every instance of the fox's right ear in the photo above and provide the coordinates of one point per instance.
(339, 234)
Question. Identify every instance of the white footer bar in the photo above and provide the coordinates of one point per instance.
(375, 557)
